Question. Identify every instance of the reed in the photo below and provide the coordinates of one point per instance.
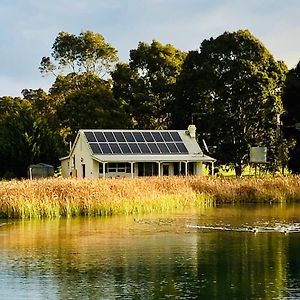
(52, 198)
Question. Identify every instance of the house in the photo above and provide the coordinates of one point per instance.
(133, 153)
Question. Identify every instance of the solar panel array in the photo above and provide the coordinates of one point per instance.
(135, 142)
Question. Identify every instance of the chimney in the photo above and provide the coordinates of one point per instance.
(192, 131)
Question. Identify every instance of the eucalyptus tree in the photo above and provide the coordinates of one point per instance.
(86, 52)
(81, 92)
(147, 83)
(291, 102)
(233, 88)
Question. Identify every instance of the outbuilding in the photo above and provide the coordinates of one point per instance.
(133, 153)
(40, 170)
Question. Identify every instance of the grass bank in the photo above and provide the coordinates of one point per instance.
(51, 198)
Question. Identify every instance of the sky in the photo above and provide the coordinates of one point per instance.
(29, 28)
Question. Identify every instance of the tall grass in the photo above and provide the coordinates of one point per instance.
(51, 198)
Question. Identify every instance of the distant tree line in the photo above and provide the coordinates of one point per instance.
(232, 88)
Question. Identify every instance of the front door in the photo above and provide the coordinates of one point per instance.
(165, 170)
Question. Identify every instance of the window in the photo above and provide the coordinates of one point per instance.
(118, 168)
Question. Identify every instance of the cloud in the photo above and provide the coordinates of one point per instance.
(29, 28)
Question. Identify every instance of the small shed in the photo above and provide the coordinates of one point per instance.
(40, 170)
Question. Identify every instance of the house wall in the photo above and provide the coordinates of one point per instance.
(81, 156)
(65, 168)
(96, 169)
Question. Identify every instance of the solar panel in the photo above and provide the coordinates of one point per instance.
(154, 149)
(148, 136)
(138, 137)
(109, 136)
(157, 136)
(119, 137)
(115, 148)
(105, 148)
(172, 147)
(134, 148)
(176, 137)
(129, 137)
(163, 148)
(125, 148)
(166, 136)
(135, 142)
(144, 148)
(181, 147)
(100, 137)
(95, 148)
(90, 136)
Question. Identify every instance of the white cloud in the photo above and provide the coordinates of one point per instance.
(29, 28)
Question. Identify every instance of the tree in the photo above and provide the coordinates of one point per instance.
(147, 83)
(87, 52)
(81, 93)
(92, 108)
(233, 87)
(291, 103)
(25, 138)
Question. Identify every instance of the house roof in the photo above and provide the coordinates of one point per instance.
(142, 145)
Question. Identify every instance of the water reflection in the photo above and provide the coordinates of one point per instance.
(152, 257)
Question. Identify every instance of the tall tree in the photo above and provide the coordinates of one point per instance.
(147, 83)
(92, 107)
(291, 102)
(81, 92)
(232, 87)
(87, 52)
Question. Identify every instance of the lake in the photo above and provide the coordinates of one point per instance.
(227, 252)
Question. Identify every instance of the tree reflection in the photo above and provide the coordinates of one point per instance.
(120, 258)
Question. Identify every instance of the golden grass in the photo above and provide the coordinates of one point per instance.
(53, 198)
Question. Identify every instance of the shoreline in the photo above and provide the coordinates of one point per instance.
(54, 198)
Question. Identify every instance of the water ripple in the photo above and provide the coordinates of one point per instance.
(282, 228)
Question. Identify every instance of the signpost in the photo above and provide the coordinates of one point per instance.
(258, 155)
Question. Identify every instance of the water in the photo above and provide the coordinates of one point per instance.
(231, 252)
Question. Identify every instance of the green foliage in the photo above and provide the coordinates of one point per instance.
(26, 137)
(81, 98)
(233, 89)
(147, 83)
(291, 103)
(87, 52)
(91, 107)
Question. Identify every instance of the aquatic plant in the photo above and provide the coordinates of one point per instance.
(51, 198)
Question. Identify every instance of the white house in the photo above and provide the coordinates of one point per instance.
(132, 153)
